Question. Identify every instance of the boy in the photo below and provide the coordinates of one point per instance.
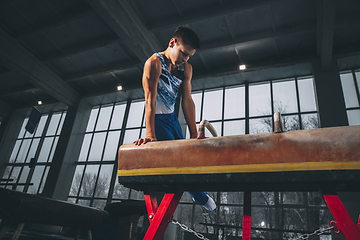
(164, 73)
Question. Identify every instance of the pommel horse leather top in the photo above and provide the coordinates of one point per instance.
(289, 161)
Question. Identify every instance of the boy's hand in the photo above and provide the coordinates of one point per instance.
(144, 141)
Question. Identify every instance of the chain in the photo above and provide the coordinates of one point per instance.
(317, 232)
(186, 228)
(301, 237)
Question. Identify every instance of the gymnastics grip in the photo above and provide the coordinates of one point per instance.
(201, 131)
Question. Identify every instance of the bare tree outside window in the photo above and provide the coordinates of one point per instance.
(291, 122)
(87, 186)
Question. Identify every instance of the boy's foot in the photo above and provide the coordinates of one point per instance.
(210, 205)
(204, 200)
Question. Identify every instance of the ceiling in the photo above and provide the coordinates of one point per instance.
(61, 51)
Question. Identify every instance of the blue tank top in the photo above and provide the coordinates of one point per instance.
(168, 88)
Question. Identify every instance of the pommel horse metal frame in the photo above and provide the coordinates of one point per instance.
(326, 159)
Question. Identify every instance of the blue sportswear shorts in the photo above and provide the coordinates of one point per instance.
(167, 127)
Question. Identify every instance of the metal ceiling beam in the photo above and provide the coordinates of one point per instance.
(56, 24)
(125, 22)
(83, 48)
(325, 32)
(260, 36)
(5, 108)
(176, 4)
(4, 71)
(24, 89)
(18, 59)
(97, 72)
(255, 66)
(270, 35)
(209, 13)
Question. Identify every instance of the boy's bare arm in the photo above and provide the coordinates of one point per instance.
(152, 71)
(188, 105)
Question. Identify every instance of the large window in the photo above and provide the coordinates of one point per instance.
(32, 154)
(107, 129)
(135, 128)
(351, 87)
(249, 108)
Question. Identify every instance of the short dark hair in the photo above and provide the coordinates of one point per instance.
(187, 36)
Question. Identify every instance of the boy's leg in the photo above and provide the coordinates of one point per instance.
(167, 127)
(200, 197)
(177, 131)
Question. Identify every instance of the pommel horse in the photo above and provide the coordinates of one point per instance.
(326, 159)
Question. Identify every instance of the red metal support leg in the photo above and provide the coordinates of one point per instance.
(160, 217)
(246, 234)
(151, 203)
(342, 218)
